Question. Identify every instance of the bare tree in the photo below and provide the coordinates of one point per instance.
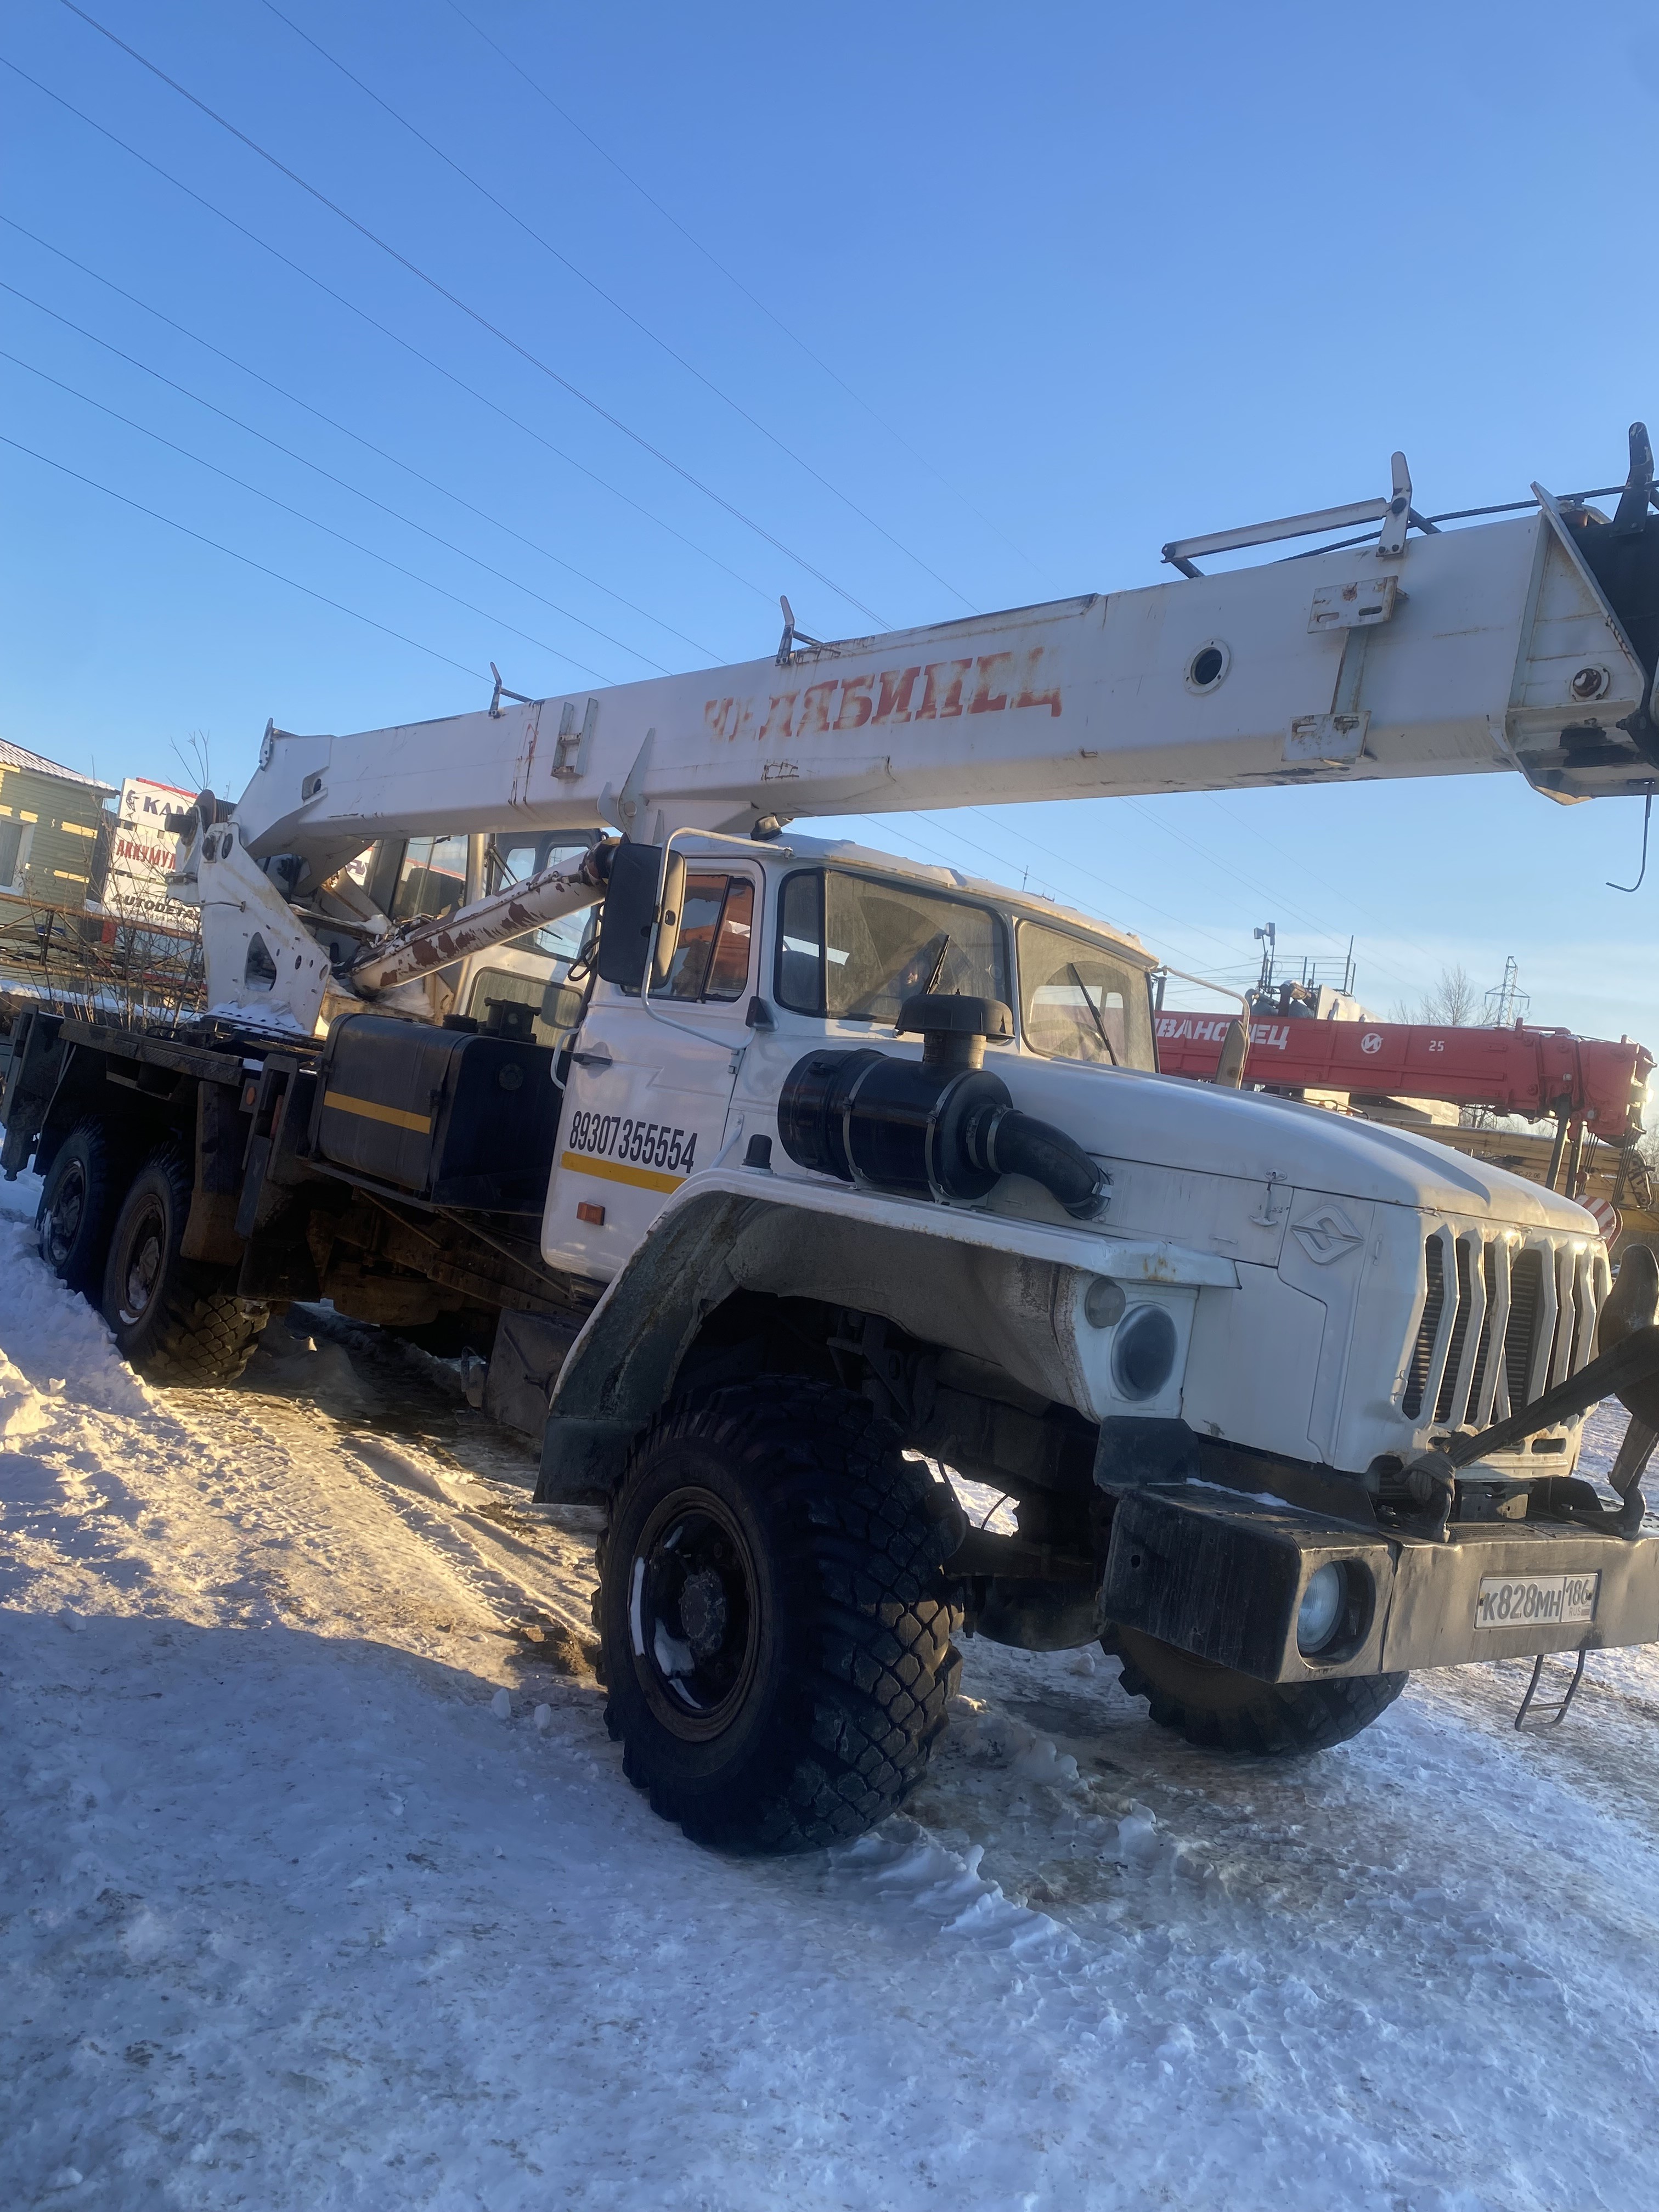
(113, 966)
(195, 756)
(1450, 1004)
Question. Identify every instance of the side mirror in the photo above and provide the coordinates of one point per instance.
(629, 914)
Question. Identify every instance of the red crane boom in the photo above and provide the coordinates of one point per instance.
(1583, 1080)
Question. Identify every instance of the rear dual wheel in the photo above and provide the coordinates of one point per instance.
(775, 1617)
(174, 1321)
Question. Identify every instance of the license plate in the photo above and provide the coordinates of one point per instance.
(1536, 1600)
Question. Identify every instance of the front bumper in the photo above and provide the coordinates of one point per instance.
(1222, 1574)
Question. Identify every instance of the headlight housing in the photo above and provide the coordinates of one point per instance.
(1323, 1611)
(1144, 1351)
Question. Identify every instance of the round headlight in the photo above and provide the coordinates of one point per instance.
(1143, 1353)
(1102, 1302)
(1323, 1604)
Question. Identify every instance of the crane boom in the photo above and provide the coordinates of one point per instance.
(1472, 651)
(1521, 1070)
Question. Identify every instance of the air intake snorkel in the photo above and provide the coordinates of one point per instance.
(943, 1128)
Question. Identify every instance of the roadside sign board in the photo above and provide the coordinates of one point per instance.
(141, 856)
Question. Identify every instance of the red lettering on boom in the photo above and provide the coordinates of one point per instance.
(991, 667)
(855, 703)
(941, 695)
(893, 703)
(1029, 695)
(814, 708)
(776, 724)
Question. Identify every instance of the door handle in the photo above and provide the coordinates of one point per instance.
(597, 1056)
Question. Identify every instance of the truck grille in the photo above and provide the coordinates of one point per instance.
(1535, 1297)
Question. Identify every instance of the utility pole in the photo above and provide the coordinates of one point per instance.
(1267, 937)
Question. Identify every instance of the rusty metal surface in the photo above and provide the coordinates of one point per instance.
(448, 937)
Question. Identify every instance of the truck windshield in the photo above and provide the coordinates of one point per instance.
(855, 947)
(1078, 1002)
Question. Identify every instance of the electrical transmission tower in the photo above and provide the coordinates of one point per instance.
(1507, 1003)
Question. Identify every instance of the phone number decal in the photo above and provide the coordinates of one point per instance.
(642, 1144)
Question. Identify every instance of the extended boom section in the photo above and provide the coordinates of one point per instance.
(1477, 650)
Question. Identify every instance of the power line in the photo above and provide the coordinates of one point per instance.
(472, 314)
(616, 305)
(949, 829)
(1210, 859)
(385, 331)
(1180, 921)
(327, 475)
(1310, 874)
(1261, 890)
(737, 283)
(247, 561)
(356, 437)
(299, 514)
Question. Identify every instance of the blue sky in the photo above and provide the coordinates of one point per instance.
(953, 306)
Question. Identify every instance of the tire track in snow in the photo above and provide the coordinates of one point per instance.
(1094, 1969)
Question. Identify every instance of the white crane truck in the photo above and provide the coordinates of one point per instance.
(813, 1170)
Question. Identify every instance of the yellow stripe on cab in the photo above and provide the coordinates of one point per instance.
(618, 1171)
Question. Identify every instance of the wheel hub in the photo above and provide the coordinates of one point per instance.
(703, 1610)
(64, 1225)
(143, 1268)
(693, 1613)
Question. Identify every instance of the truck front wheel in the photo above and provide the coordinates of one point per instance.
(1221, 1710)
(775, 1617)
(174, 1321)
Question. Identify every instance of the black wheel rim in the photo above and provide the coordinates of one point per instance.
(146, 1244)
(69, 1206)
(694, 1614)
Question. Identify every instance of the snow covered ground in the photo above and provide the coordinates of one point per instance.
(322, 1885)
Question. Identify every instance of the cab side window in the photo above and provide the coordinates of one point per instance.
(1077, 1002)
(711, 960)
(801, 944)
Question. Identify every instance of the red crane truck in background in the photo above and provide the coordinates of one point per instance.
(1594, 1088)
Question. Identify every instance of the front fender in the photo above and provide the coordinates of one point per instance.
(993, 1286)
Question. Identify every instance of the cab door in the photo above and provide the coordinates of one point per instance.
(646, 1098)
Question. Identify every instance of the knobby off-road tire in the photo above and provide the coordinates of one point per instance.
(1220, 1709)
(174, 1321)
(774, 1616)
(77, 1208)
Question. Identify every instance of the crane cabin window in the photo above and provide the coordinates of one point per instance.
(856, 947)
(1078, 1002)
(512, 860)
(431, 877)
